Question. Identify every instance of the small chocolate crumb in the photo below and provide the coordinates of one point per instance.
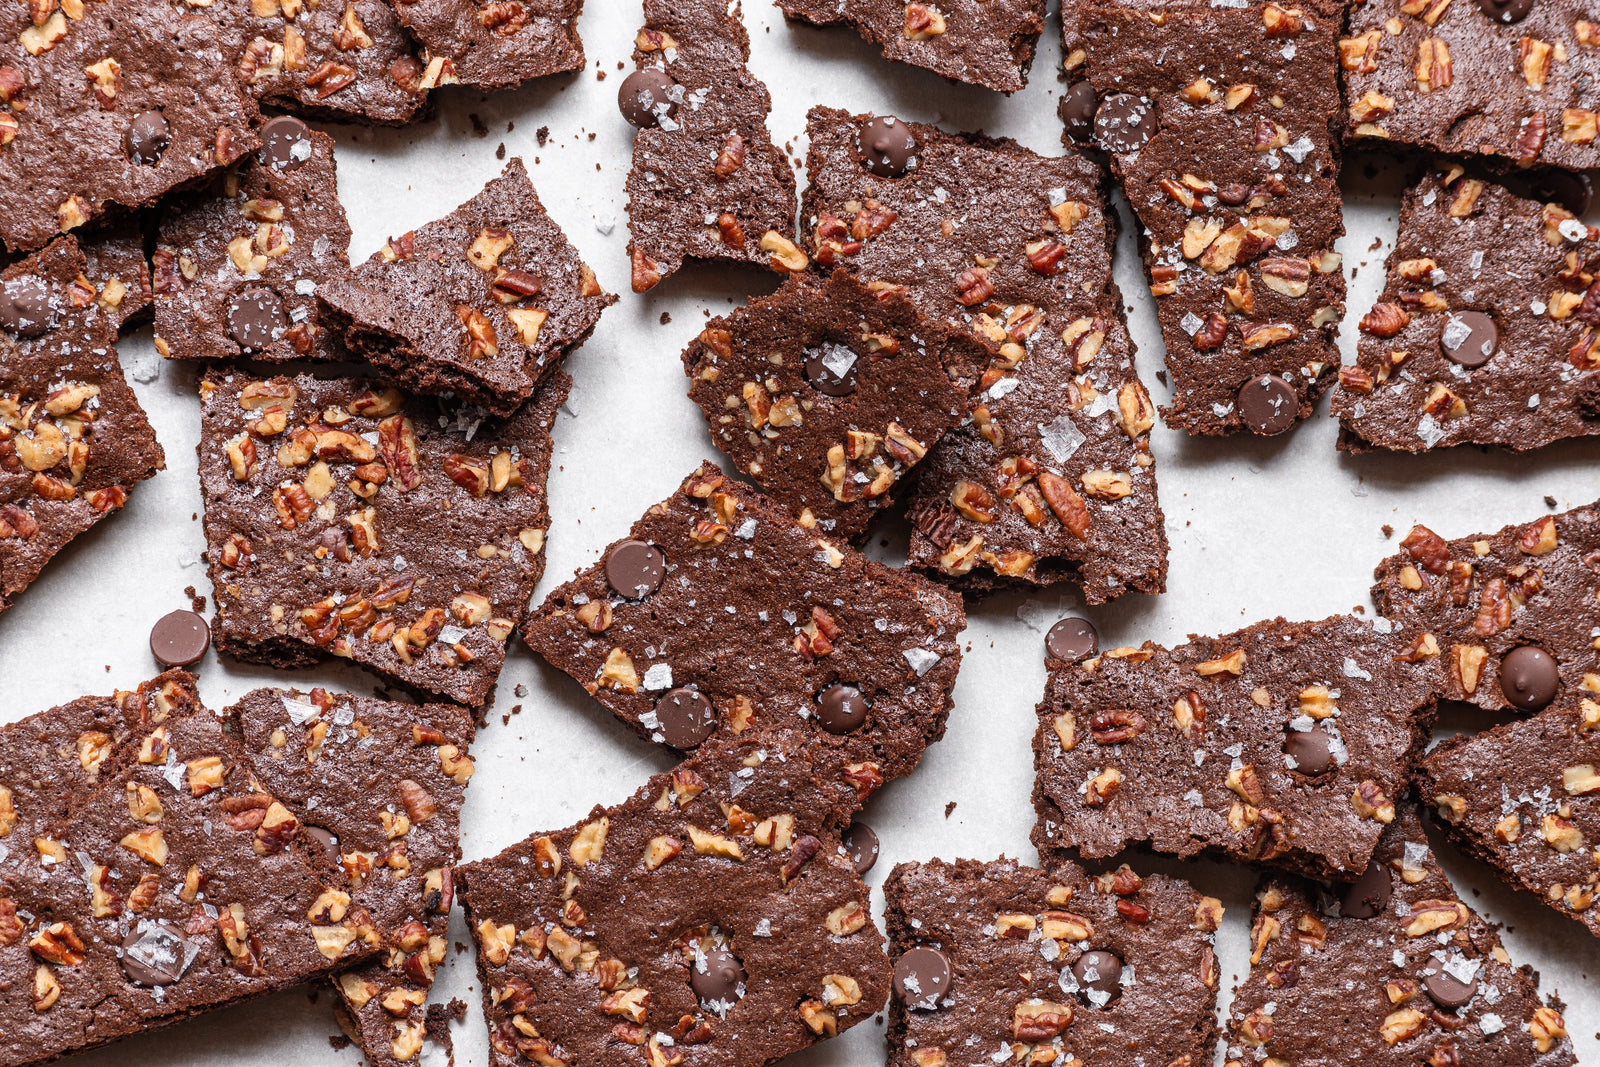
(500, 150)
(1388, 531)
(599, 75)
(339, 1042)
(665, 318)
(1549, 501)
(948, 808)
(543, 134)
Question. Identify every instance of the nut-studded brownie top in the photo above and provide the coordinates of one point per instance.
(1052, 477)
(1524, 798)
(115, 266)
(1486, 330)
(73, 439)
(482, 303)
(979, 42)
(493, 44)
(707, 181)
(997, 962)
(1284, 743)
(119, 108)
(827, 394)
(1217, 122)
(237, 267)
(1392, 969)
(712, 916)
(346, 520)
(1512, 611)
(720, 613)
(1510, 79)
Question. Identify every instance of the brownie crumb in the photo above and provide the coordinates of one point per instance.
(665, 318)
(500, 150)
(543, 134)
(1549, 501)
(339, 1042)
(948, 808)
(1388, 531)
(520, 690)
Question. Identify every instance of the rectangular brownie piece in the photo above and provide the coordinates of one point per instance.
(998, 963)
(720, 614)
(1283, 743)
(1052, 477)
(342, 519)
(711, 917)
(494, 45)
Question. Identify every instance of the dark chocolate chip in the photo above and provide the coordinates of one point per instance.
(255, 317)
(147, 137)
(1268, 404)
(156, 953)
(861, 845)
(886, 145)
(841, 709)
(921, 977)
(635, 569)
(1446, 989)
(179, 639)
(1367, 895)
(285, 143)
(1124, 122)
(646, 95)
(327, 839)
(685, 717)
(1311, 750)
(1469, 338)
(1506, 10)
(1098, 971)
(831, 369)
(1529, 677)
(715, 976)
(1072, 639)
(1077, 109)
(25, 306)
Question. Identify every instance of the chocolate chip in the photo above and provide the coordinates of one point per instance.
(179, 639)
(1367, 895)
(1077, 109)
(1098, 972)
(635, 569)
(646, 95)
(861, 845)
(685, 717)
(831, 369)
(1268, 404)
(1506, 10)
(886, 145)
(715, 976)
(156, 954)
(25, 306)
(1124, 122)
(1529, 677)
(921, 977)
(327, 839)
(1072, 639)
(255, 317)
(285, 143)
(147, 137)
(1446, 989)
(1311, 750)
(841, 709)
(1469, 338)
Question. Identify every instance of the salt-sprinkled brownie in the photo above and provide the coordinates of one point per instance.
(999, 963)
(1512, 611)
(709, 919)
(1284, 743)
(720, 614)
(73, 439)
(1524, 798)
(1217, 122)
(828, 394)
(707, 181)
(493, 44)
(1392, 969)
(115, 267)
(378, 786)
(482, 303)
(1052, 477)
(979, 42)
(342, 519)
(1486, 330)
(118, 108)
(1509, 79)
(237, 268)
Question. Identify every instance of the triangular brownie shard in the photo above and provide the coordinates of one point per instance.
(482, 303)
(707, 181)
(1511, 611)
(1284, 743)
(493, 45)
(1525, 799)
(710, 918)
(1000, 963)
(1392, 969)
(1052, 477)
(828, 394)
(720, 614)
(378, 786)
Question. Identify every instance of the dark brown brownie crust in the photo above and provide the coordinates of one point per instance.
(493, 44)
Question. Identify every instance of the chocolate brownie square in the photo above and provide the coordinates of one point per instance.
(710, 918)
(828, 394)
(405, 534)
(1511, 611)
(493, 44)
(378, 785)
(998, 963)
(237, 268)
(719, 614)
(1217, 121)
(482, 303)
(118, 108)
(1284, 743)
(73, 439)
(1390, 969)
(115, 267)
(1052, 479)
(1485, 332)
(707, 182)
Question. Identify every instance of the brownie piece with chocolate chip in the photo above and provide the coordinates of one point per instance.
(998, 959)
(403, 533)
(707, 181)
(1052, 477)
(827, 394)
(237, 268)
(1486, 329)
(1217, 121)
(378, 786)
(720, 614)
(493, 44)
(1511, 612)
(120, 108)
(73, 439)
(1392, 969)
(1283, 743)
(483, 303)
(115, 267)
(711, 916)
